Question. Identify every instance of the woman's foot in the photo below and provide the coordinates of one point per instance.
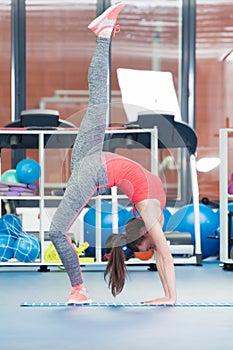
(79, 295)
(105, 24)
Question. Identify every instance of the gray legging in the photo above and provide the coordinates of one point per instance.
(88, 176)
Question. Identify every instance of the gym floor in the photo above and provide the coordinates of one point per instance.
(115, 328)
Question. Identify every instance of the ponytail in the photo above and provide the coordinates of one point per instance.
(116, 267)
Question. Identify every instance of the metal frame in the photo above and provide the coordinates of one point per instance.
(224, 135)
(188, 80)
(18, 66)
(188, 68)
(18, 58)
(193, 252)
(42, 198)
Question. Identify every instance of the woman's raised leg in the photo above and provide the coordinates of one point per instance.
(88, 173)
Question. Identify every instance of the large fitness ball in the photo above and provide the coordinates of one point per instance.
(26, 248)
(6, 247)
(167, 214)
(183, 221)
(28, 171)
(10, 176)
(11, 224)
(106, 225)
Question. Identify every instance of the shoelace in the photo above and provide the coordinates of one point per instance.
(84, 292)
(80, 289)
(116, 29)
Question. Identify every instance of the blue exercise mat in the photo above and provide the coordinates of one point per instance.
(35, 304)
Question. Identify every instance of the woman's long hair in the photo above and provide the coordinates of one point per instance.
(116, 267)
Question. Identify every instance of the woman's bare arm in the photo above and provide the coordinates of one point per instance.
(150, 212)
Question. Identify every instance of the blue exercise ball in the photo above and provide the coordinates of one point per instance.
(26, 248)
(10, 176)
(28, 171)
(6, 247)
(167, 215)
(12, 224)
(183, 221)
(106, 225)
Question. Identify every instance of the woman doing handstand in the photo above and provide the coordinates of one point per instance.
(93, 172)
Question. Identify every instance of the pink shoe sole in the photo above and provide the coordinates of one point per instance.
(86, 301)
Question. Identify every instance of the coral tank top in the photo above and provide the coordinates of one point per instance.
(133, 179)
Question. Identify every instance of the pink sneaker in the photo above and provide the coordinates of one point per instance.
(79, 295)
(106, 22)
